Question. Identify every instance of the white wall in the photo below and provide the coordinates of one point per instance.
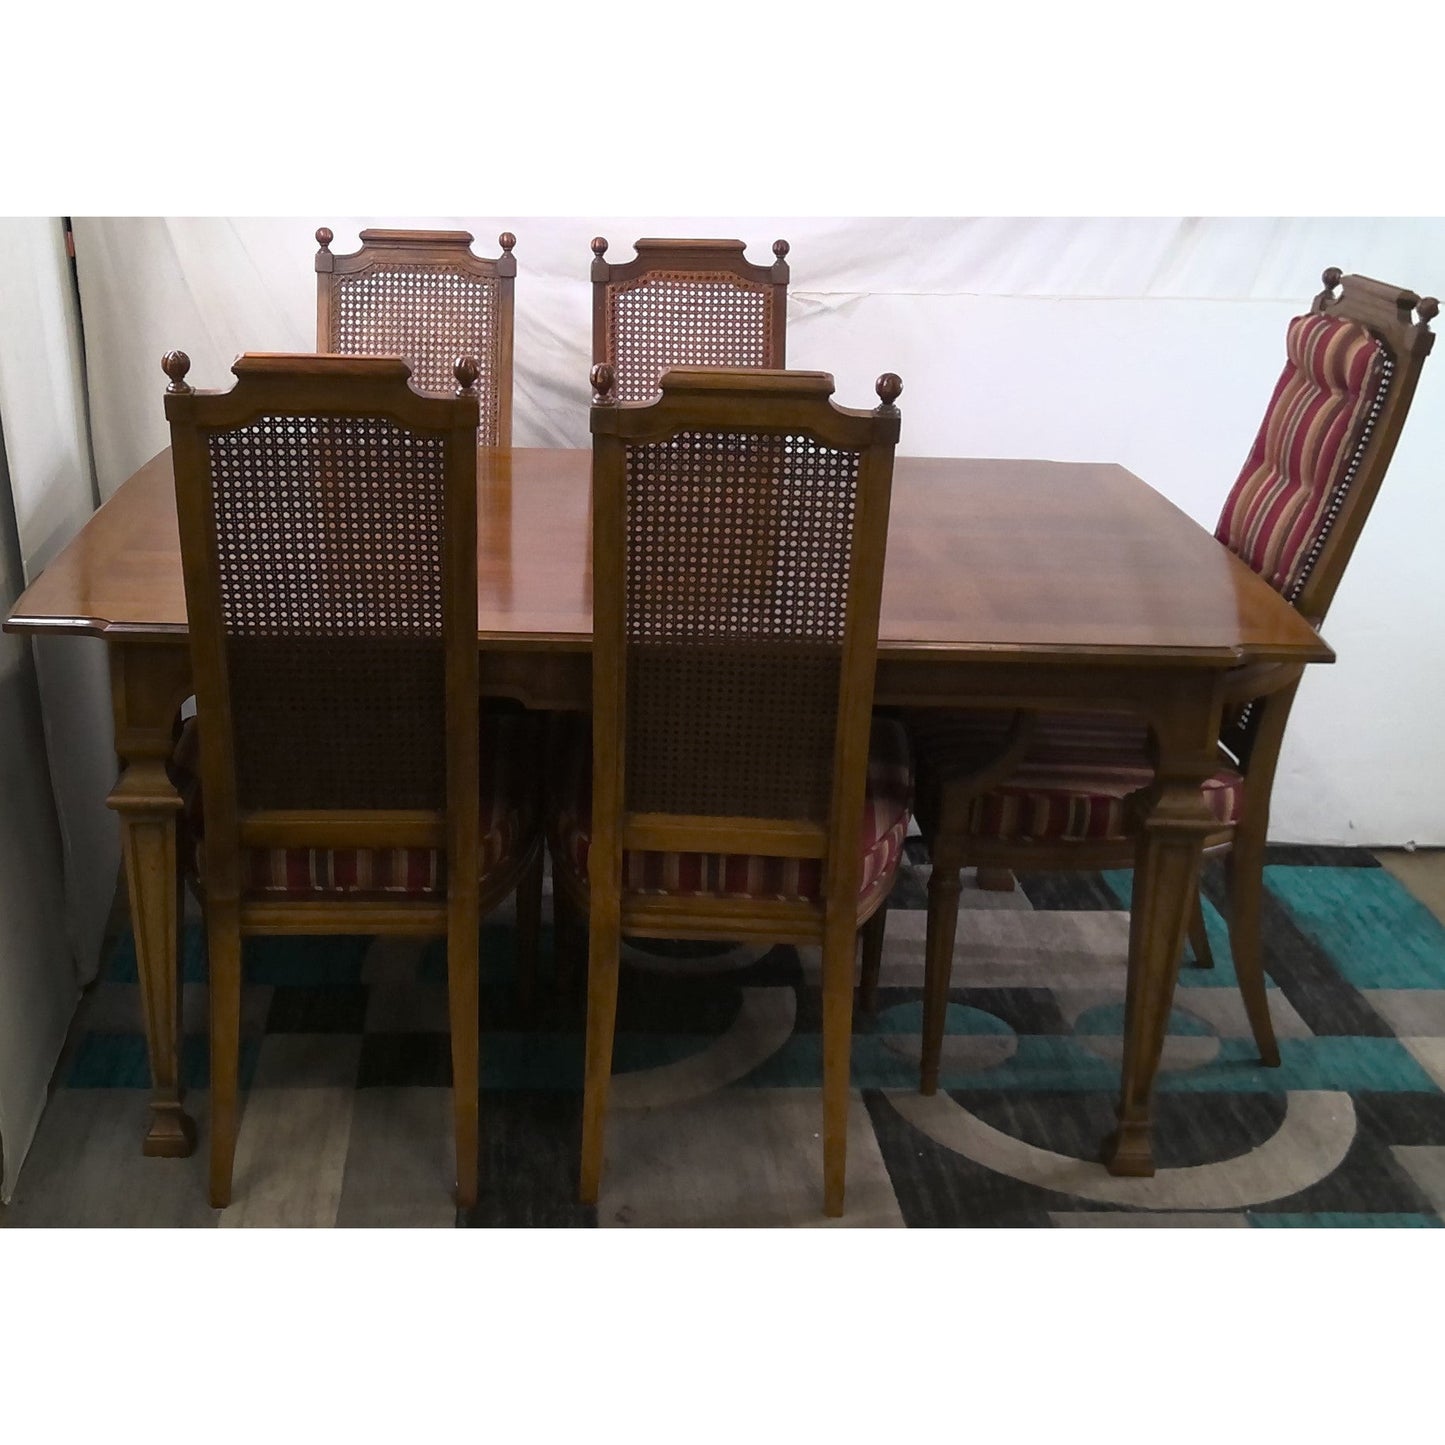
(42, 400)
(37, 978)
(59, 850)
(1153, 343)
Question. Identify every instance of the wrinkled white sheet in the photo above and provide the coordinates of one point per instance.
(1150, 342)
(59, 851)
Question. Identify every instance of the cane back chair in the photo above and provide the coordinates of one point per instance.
(328, 537)
(1051, 792)
(686, 303)
(739, 533)
(424, 296)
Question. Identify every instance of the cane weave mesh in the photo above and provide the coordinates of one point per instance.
(430, 315)
(738, 555)
(685, 318)
(329, 552)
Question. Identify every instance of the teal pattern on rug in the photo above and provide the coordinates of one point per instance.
(1349, 1131)
(1376, 933)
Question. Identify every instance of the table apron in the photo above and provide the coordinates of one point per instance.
(150, 687)
(562, 681)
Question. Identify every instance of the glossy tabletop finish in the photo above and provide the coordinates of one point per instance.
(1025, 558)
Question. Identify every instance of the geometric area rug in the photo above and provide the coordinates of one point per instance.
(716, 1109)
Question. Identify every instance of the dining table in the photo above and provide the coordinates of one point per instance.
(1017, 584)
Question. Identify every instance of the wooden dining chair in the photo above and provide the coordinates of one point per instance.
(328, 537)
(732, 787)
(1063, 791)
(686, 303)
(424, 296)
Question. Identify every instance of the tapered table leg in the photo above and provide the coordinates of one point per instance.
(148, 684)
(1166, 877)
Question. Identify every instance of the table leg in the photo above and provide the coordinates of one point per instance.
(1166, 876)
(148, 685)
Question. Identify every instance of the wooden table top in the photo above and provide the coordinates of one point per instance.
(1040, 560)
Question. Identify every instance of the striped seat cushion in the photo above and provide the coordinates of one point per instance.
(886, 813)
(1073, 784)
(1308, 446)
(510, 817)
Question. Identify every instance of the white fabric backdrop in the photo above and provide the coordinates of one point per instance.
(1151, 342)
(37, 980)
(58, 858)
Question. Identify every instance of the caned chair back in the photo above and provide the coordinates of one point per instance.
(686, 303)
(328, 532)
(1307, 487)
(740, 523)
(423, 296)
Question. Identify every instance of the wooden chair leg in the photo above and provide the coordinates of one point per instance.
(1199, 937)
(529, 930)
(223, 944)
(604, 952)
(872, 938)
(1244, 877)
(839, 944)
(464, 1007)
(943, 890)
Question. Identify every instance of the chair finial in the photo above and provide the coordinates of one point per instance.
(781, 249)
(889, 387)
(176, 364)
(324, 238)
(599, 246)
(506, 241)
(1327, 298)
(602, 380)
(466, 372)
(1427, 310)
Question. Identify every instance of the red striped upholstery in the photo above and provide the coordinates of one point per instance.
(1074, 782)
(1314, 428)
(510, 816)
(886, 814)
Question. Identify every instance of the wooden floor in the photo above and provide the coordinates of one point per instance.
(1422, 871)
